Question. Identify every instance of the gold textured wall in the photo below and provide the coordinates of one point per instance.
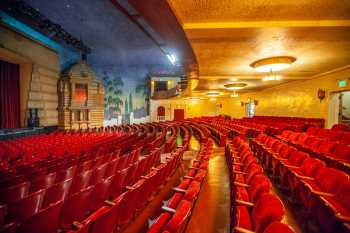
(298, 98)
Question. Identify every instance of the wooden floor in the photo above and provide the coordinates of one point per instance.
(212, 211)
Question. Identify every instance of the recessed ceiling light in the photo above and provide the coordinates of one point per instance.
(213, 94)
(235, 86)
(271, 78)
(272, 64)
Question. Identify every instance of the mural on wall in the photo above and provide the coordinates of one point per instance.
(122, 56)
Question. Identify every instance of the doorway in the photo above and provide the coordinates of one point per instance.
(179, 114)
(339, 108)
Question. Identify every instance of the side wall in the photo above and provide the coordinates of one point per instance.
(39, 74)
(297, 98)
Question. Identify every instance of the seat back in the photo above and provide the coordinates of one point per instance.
(297, 157)
(104, 220)
(178, 221)
(343, 196)
(342, 152)
(47, 220)
(260, 184)
(68, 173)
(14, 193)
(81, 181)
(98, 174)
(57, 192)
(118, 183)
(42, 182)
(26, 207)
(326, 147)
(100, 193)
(267, 209)
(310, 166)
(76, 207)
(278, 227)
(330, 179)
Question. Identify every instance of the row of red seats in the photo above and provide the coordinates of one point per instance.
(78, 204)
(254, 208)
(103, 176)
(176, 211)
(218, 132)
(297, 122)
(322, 192)
(334, 151)
(120, 210)
(330, 134)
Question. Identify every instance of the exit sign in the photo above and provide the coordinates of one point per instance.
(342, 83)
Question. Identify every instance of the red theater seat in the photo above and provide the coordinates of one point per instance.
(267, 209)
(100, 193)
(42, 182)
(98, 174)
(26, 207)
(178, 221)
(81, 181)
(66, 174)
(76, 207)
(57, 192)
(333, 211)
(47, 220)
(14, 193)
(278, 227)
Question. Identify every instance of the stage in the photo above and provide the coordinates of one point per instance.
(6, 134)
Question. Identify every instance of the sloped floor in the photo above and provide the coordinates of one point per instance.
(211, 213)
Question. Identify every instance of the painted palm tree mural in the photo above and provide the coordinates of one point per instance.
(113, 95)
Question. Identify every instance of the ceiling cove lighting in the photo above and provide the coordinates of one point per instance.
(235, 86)
(212, 99)
(213, 94)
(272, 64)
(271, 78)
(171, 58)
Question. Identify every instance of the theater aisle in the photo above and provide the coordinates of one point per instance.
(211, 212)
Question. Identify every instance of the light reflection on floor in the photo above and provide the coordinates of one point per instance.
(211, 212)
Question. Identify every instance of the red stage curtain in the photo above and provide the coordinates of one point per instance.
(9, 95)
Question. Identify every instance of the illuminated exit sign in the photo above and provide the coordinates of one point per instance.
(342, 83)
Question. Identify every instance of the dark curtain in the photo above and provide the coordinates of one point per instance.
(9, 95)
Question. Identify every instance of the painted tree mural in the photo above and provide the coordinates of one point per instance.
(113, 93)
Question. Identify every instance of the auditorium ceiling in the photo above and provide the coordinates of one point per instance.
(228, 35)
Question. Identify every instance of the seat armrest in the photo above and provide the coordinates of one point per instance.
(239, 172)
(242, 230)
(304, 177)
(246, 203)
(241, 184)
(129, 187)
(110, 203)
(189, 177)
(322, 193)
(77, 225)
(179, 190)
(144, 177)
(168, 209)
(290, 166)
(235, 163)
(194, 168)
(343, 217)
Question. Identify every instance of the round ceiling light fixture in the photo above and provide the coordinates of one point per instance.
(213, 94)
(272, 64)
(235, 86)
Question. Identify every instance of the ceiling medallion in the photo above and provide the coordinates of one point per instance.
(272, 64)
(235, 86)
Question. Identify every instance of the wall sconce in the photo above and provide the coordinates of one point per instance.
(321, 94)
(256, 102)
(242, 104)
